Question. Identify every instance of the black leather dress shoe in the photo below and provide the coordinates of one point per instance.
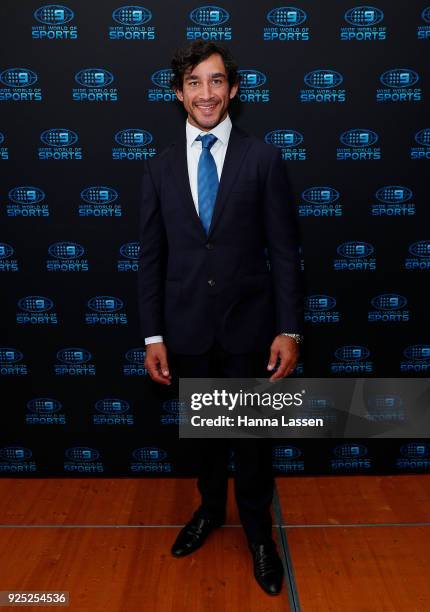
(193, 535)
(268, 568)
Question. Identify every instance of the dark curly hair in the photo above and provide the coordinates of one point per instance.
(196, 52)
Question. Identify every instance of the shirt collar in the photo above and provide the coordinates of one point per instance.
(221, 131)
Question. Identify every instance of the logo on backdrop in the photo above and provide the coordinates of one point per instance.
(82, 459)
(173, 412)
(289, 142)
(364, 23)
(133, 145)
(358, 144)
(44, 411)
(74, 362)
(350, 457)
(399, 86)
(94, 86)
(161, 90)
(393, 201)
(422, 138)
(389, 308)
(323, 86)
(209, 24)
(54, 23)
(286, 24)
(99, 201)
(7, 261)
(419, 256)
(321, 309)
(112, 412)
(132, 23)
(19, 85)
(150, 459)
(105, 310)
(416, 358)
(134, 365)
(36, 310)
(414, 456)
(355, 255)
(59, 144)
(423, 31)
(16, 459)
(320, 202)
(27, 202)
(66, 257)
(385, 408)
(130, 257)
(4, 150)
(251, 86)
(351, 359)
(288, 458)
(11, 362)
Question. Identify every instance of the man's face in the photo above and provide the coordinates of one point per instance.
(206, 93)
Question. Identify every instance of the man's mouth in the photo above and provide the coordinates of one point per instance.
(206, 109)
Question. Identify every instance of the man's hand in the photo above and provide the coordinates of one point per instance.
(156, 363)
(287, 350)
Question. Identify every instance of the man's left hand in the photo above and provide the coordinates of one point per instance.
(287, 350)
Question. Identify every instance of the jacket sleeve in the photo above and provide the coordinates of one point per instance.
(152, 259)
(282, 242)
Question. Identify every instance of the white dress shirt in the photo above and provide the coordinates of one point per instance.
(194, 149)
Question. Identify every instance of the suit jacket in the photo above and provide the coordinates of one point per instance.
(195, 288)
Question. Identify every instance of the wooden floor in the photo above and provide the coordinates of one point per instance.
(349, 544)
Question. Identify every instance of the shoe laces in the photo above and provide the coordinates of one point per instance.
(195, 529)
(264, 560)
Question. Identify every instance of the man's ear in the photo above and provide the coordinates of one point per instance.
(234, 90)
(179, 94)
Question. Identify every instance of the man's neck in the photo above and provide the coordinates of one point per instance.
(203, 129)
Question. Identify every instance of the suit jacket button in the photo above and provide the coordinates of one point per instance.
(211, 282)
(209, 246)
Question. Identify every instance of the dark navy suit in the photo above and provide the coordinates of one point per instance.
(195, 288)
(214, 299)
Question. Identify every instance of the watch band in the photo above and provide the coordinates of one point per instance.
(297, 337)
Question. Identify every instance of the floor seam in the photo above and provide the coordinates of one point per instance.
(293, 595)
(234, 526)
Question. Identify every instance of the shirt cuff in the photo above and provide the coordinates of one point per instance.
(153, 339)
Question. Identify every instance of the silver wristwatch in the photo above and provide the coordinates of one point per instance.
(297, 337)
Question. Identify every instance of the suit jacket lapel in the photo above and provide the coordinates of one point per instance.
(237, 146)
(178, 161)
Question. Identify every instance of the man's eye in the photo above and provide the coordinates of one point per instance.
(192, 83)
(217, 81)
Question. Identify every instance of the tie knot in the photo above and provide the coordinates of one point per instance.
(207, 141)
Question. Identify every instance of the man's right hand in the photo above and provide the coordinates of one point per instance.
(156, 363)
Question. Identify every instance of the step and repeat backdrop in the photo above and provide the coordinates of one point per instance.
(342, 89)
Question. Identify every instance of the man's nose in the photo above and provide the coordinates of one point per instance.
(206, 90)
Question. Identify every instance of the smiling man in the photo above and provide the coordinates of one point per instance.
(214, 204)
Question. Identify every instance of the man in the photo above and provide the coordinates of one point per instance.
(212, 204)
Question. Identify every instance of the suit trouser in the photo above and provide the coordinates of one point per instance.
(254, 480)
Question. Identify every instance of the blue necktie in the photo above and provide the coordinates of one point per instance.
(207, 180)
